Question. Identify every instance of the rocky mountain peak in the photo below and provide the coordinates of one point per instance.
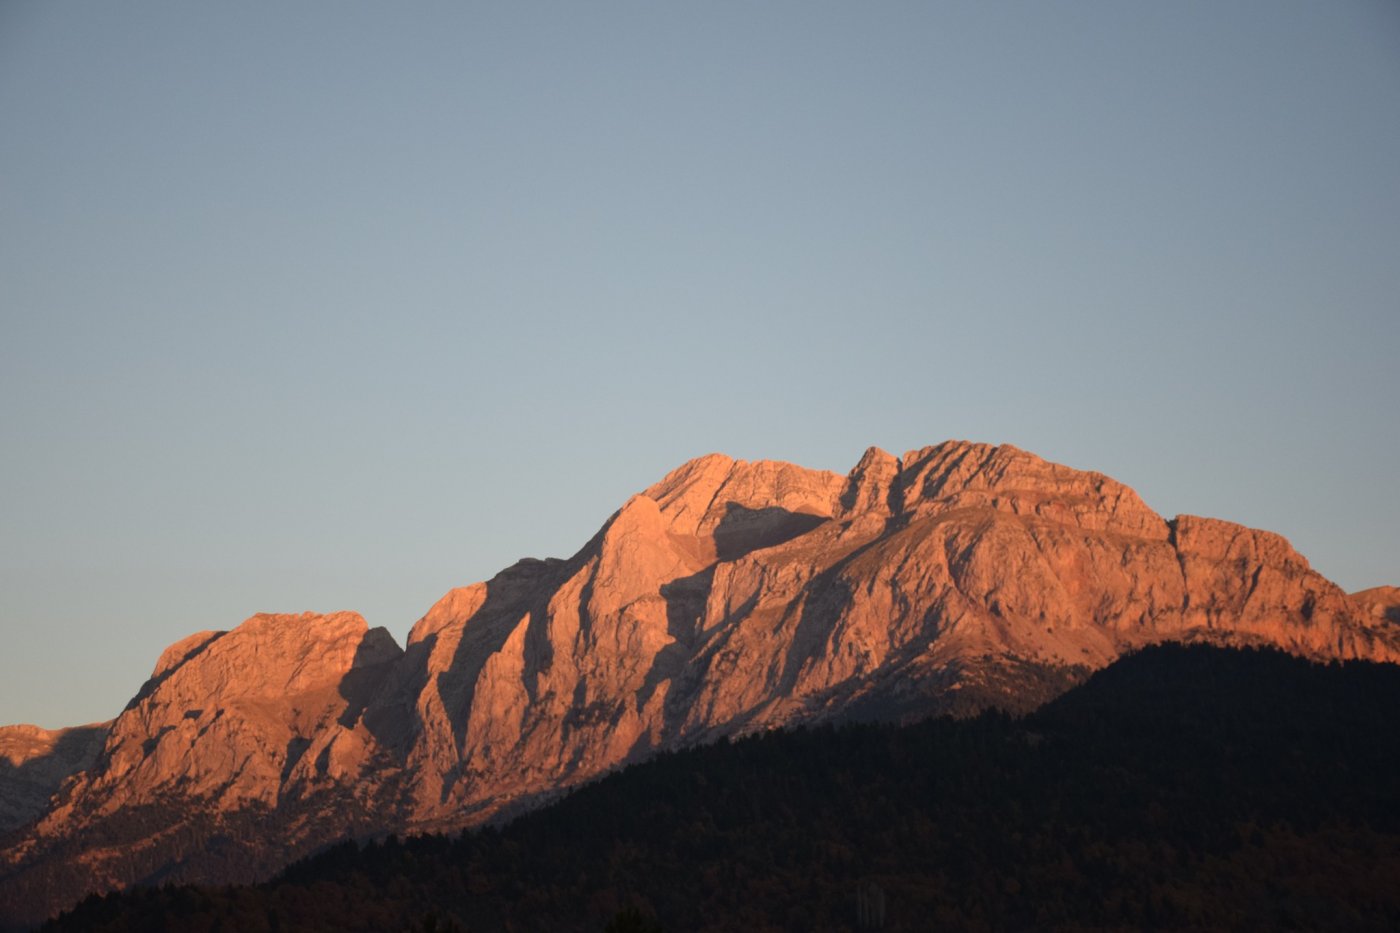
(729, 597)
(227, 716)
(960, 474)
(180, 652)
(708, 492)
(872, 485)
(1380, 605)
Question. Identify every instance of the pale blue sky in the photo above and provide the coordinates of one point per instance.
(337, 306)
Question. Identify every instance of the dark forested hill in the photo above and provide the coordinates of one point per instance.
(1180, 788)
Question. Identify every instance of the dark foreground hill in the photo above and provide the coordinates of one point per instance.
(1180, 788)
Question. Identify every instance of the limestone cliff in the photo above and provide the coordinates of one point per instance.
(728, 597)
(206, 771)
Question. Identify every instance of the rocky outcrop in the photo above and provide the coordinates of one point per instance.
(247, 716)
(232, 731)
(1379, 605)
(35, 762)
(728, 597)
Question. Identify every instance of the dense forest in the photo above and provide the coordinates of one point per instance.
(1181, 788)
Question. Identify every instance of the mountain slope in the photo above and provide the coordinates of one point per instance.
(728, 598)
(35, 762)
(1181, 788)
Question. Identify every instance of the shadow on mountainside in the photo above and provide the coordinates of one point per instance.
(744, 529)
(27, 787)
(191, 651)
(683, 662)
(826, 597)
(685, 609)
(374, 659)
(524, 588)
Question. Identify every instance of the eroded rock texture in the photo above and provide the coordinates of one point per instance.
(728, 597)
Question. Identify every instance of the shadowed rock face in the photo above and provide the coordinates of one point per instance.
(35, 762)
(1380, 603)
(728, 597)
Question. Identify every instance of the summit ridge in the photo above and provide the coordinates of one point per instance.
(729, 597)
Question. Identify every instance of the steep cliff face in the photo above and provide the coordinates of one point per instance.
(728, 597)
(207, 771)
(737, 596)
(247, 716)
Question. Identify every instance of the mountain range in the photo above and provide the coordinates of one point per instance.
(1181, 788)
(729, 598)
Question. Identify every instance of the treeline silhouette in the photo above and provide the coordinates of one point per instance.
(1181, 788)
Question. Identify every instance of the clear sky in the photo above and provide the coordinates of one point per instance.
(340, 305)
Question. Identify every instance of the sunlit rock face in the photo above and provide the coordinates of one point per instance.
(1379, 604)
(207, 771)
(246, 716)
(729, 597)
